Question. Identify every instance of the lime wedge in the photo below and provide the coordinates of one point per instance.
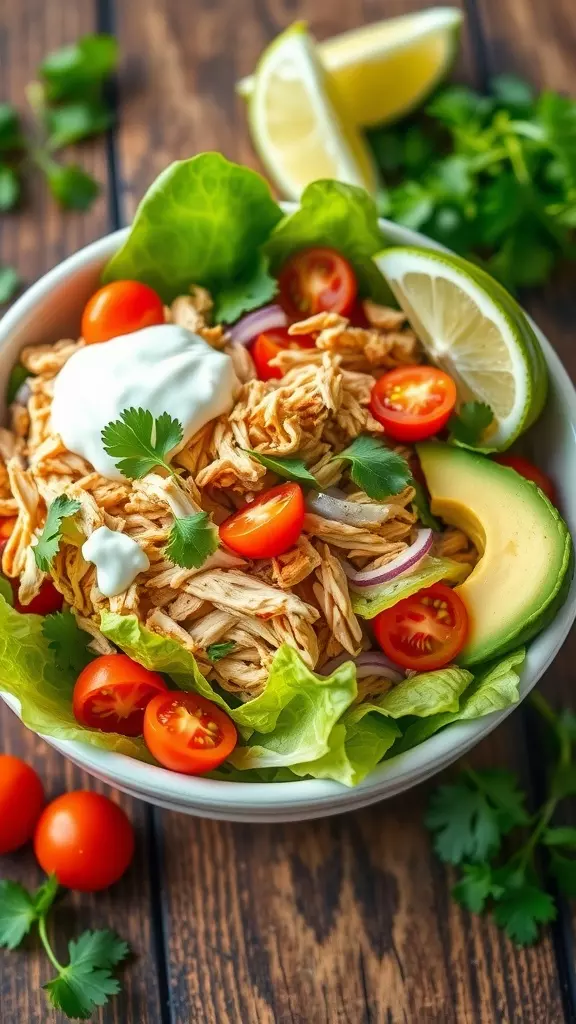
(382, 71)
(296, 122)
(474, 330)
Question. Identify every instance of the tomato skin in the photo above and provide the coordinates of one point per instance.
(413, 402)
(415, 634)
(85, 839)
(531, 472)
(47, 601)
(112, 692)
(178, 730)
(269, 344)
(120, 308)
(315, 281)
(7, 525)
(21, 802)
(268, 526)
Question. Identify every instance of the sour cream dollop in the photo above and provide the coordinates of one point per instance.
(161, 369)
(118, 560)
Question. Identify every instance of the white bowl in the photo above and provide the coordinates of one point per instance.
(51, 310)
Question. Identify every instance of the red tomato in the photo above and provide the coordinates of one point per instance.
(187, 733)
(47, 601)
(120, 308)
(531, 472)
(85, 839)
(425, 631)
(6, 527)
(112, 692)
(357, 316)
(317, 280)
(21, 802)
(268, 526)
(413, 402)
(269, 344)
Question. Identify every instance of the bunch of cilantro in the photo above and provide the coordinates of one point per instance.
(69, 103)
(491, 176)
(480, 823)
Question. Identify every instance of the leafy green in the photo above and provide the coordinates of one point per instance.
(218, 651)
(86, 982)
(375, 468)
(73, 187)
(562, 835)
(470, 422)
(203, 221)
(17, 914)
(9, 188)
(141, 442)
(563, 870)
(192, 539)
(426, 694)
(11, 137)
(6, 591)
(80, 69)
(430, 570)
(68, 642)
(423, 507)
(357, 744)
(475, 887)
(18, 374)
(343, 217)
(59, 510)
(521, 908)
(9, 283)
(289, 466)
(72, 122)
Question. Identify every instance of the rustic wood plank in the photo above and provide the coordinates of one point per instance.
(346, 919)
(34, 240)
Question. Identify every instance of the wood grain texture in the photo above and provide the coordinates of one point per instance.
(35, 240)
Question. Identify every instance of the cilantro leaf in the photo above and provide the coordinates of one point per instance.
(192, 539)
(217, 651)
(466, 822)
(254, 288)
(470, 422)
(49, 541)
(97, 949)
(423, 506)
(501, 788)
(563, 869)
(78, 994)
(521, 908)
(560, 836)
(10, 135)
(9, 188)
(71, 186)
(375, 468)
(78, 70)
(68, 641)
(17, 913)
(563, 781)
(71, 122)
(288, 466)
(141, 442)
(475, 887)
(9, 283)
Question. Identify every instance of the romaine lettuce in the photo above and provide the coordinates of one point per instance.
(431, 570)
(428, 693)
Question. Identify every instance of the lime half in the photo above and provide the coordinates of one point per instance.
(471, 328)
(297, 123)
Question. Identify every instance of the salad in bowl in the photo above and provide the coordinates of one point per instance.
(258, 518)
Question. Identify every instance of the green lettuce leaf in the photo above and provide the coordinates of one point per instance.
(343, 217)
(426, 694)
(431, 570)
(295, 714)
(493, 688)
(28, 671)
(357, 743)
(203, 221)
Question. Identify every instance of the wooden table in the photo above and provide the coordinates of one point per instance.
(347, 919)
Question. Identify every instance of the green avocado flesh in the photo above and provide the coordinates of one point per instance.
(524, 546)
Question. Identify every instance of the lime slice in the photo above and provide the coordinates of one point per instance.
(473, 329)
(382, 71)
(297, 126)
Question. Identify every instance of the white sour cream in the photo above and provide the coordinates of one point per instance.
(118, 560)
(161, 369)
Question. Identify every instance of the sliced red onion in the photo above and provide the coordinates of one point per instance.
(249, 327)
(353, 513)
(369, 663)
(409, 559)
(23, 394)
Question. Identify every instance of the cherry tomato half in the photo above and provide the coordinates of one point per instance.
(317, 280)
(530, 472)
(112, 692)
(85, 839)
(47, 601)
(21, 802)
(425, 631)
(413, 402)
(268, 526)
(187, 733)
(120, 308)
(269, 344)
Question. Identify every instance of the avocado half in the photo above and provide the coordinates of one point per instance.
(526, 553)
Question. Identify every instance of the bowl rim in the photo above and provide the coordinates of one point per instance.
(260, 799)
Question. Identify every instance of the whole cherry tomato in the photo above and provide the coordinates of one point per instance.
(268, 526)
(413, 402)
(530, 472)
(120, 308)
(316, 281)
(21, 802)
(268, 345)
(47, 601)
(85, 839)
(188, 733)
(425, 631)
(112, 692)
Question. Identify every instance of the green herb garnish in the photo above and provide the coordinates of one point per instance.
(46, 549)
(288, 466)
(192, 539)
(140, 442)
(375, 468)
(218, 651)
(68, 642)
(470, 422)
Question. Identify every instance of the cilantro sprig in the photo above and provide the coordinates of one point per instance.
(470, 818)
(192, 539)
(86, 981)
(290, 467)
(469, 423)
(375, 468)
(68, 642)
(218, 651)
(59, 511)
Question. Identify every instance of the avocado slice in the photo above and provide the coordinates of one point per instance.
(526, 553)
